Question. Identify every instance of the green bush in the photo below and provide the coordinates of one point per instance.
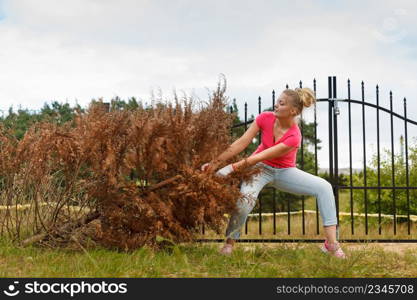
(384, 199)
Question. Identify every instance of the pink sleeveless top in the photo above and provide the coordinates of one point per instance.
(292, 137)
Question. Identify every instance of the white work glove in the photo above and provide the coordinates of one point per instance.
(225, 171)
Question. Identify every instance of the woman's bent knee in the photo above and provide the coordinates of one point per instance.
(325, 186)
(244, 206)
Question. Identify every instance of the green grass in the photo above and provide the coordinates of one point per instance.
(248, 260)
(202, 260)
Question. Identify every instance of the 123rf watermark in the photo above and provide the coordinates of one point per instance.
(366, 289)
(72, 289)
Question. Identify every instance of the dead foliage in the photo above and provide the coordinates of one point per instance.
(120, 178)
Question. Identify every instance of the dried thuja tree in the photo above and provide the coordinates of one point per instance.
(41, 180)
(132, 175)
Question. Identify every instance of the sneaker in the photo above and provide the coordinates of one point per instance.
(333, 249)
(226, 250)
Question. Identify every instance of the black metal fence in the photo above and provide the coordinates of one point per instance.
(334, 154)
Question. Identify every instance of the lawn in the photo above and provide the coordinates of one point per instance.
(203, 260)
(248, 260)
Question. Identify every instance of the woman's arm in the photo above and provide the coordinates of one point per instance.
(239, 145)
(272, 152)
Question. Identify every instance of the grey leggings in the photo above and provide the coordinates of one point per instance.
(291, 180)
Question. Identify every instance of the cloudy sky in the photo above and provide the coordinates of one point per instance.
(73, 51)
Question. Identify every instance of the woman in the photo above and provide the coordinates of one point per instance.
(277, 154)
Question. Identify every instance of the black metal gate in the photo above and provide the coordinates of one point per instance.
(334, 151)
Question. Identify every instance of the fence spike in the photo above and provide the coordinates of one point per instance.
(259, 104)
(348, 87)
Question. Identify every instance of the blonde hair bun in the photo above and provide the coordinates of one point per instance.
(306, 96)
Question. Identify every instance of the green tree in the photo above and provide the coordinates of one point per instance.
(119, 104)
(58, 113)
(384, 198)
(20, 120)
